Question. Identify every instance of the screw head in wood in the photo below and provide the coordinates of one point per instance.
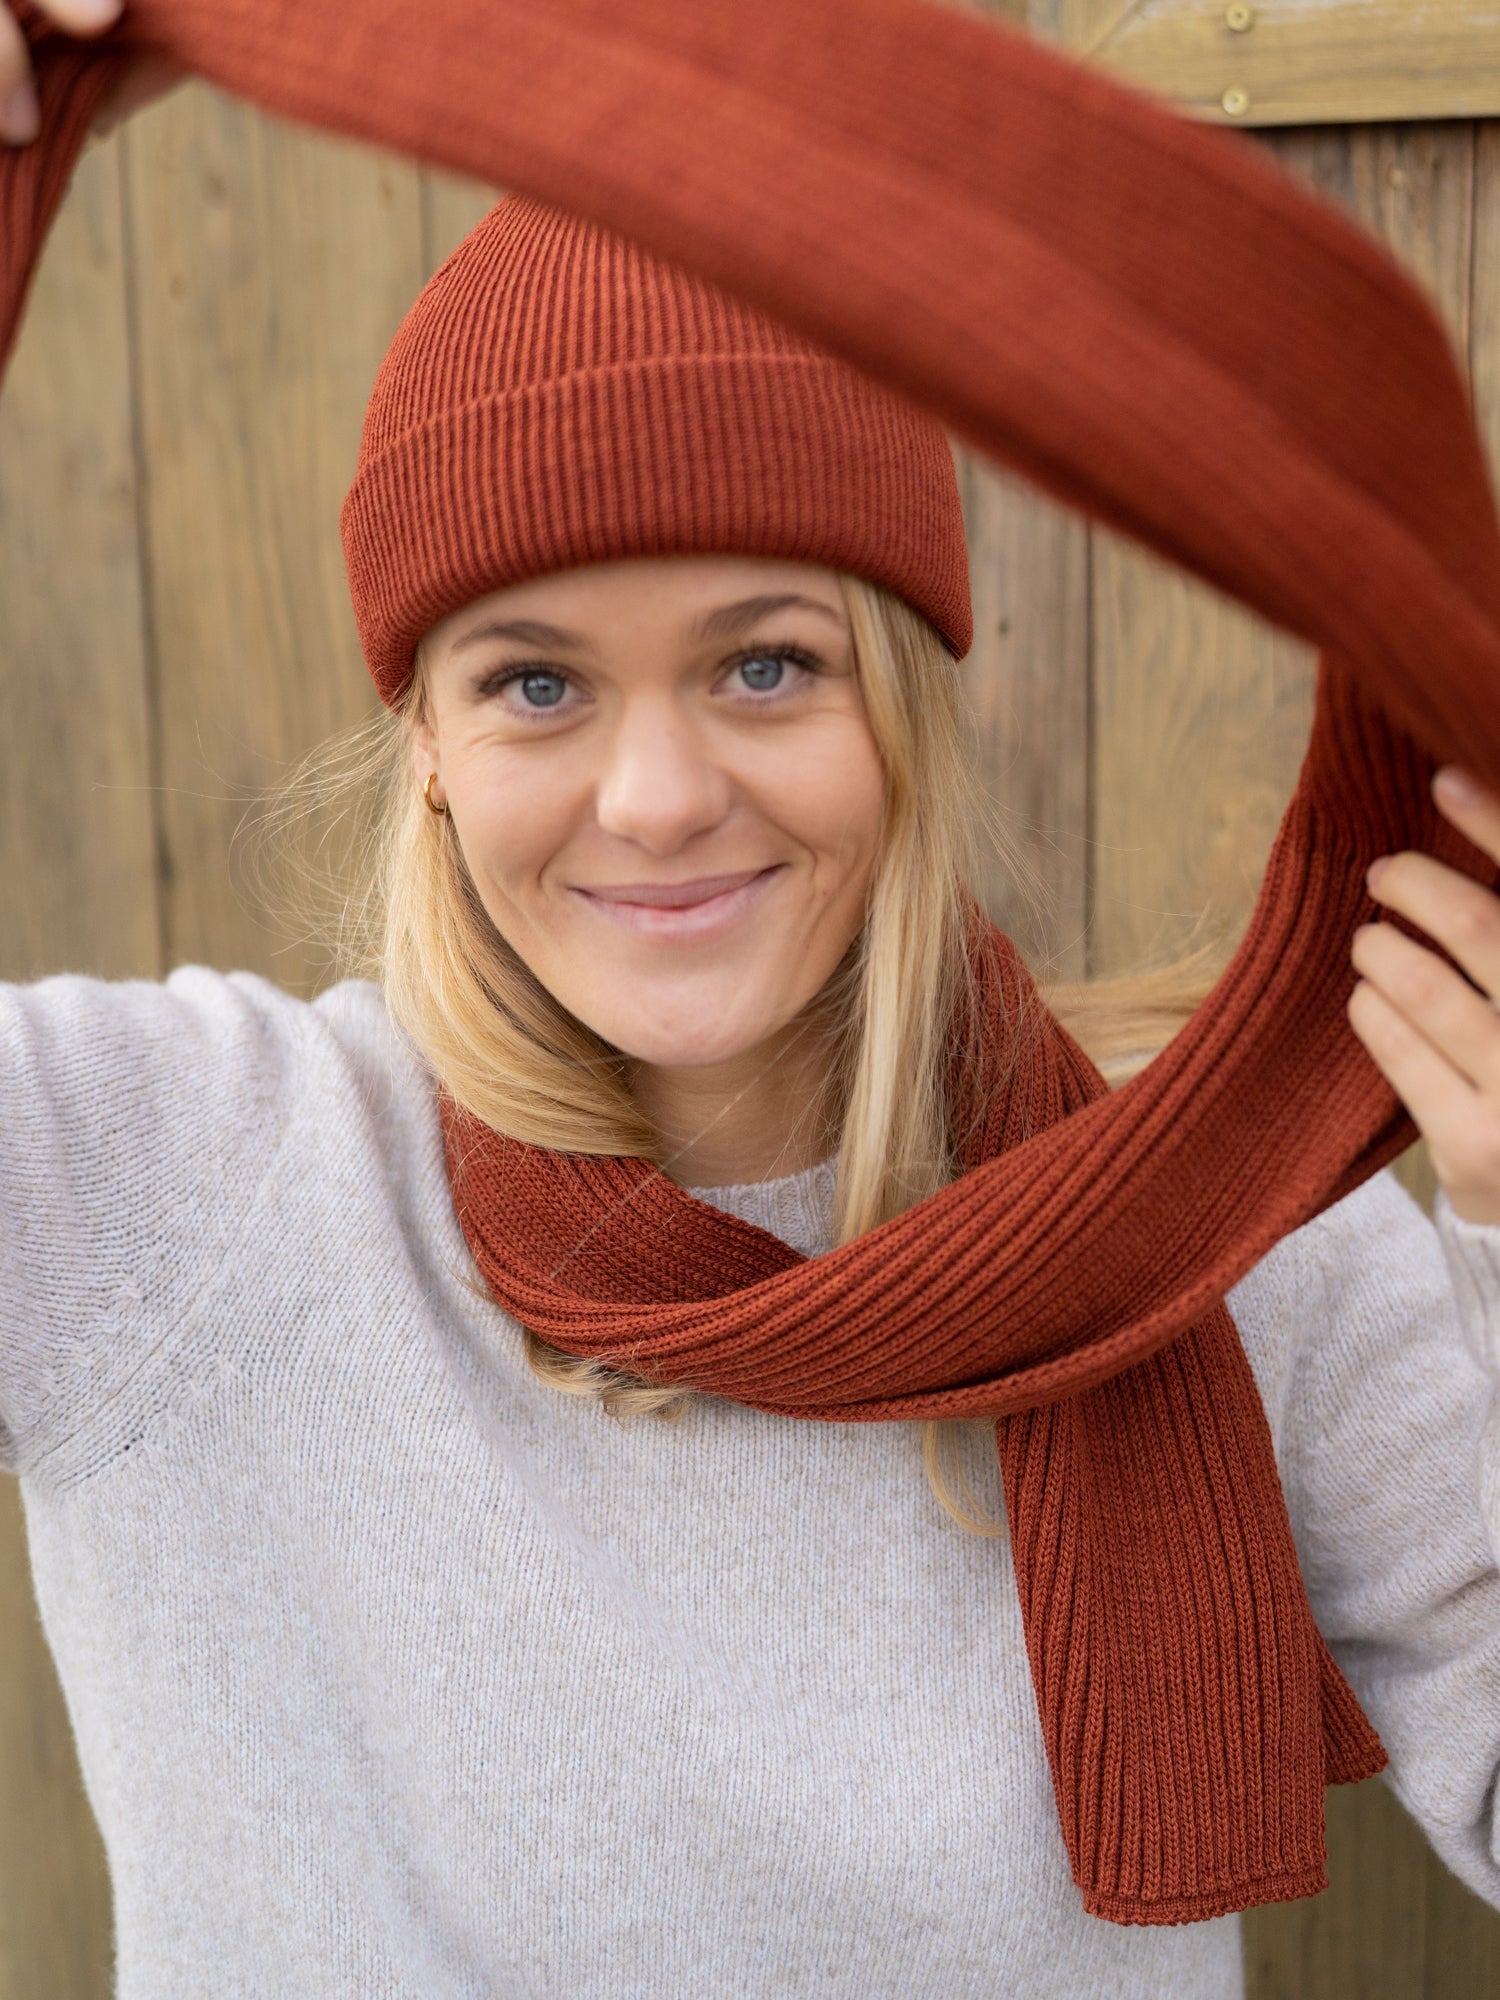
(1239, 18)
(1235, 101)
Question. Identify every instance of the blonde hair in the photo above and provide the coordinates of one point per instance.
(513, 1056)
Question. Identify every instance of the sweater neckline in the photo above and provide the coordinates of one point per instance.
(796, 1207)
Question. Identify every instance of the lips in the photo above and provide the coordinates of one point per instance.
(672, 895)
(676, 910)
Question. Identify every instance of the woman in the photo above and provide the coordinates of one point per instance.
(395, 1670)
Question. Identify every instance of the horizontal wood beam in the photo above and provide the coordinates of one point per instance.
(1293, 62)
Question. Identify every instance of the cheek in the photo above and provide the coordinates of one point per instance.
(831, 797)
(511, 819)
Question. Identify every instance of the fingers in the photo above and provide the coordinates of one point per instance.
(1461, 915)
(19, 117)
(1460, 1124)
(1473, 810)
(81, 17)
(1434, 999)
(1432, 1035)
(1438, 1098)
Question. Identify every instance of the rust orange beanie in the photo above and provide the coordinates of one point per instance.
(557, 396)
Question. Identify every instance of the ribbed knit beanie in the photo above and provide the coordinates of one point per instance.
(557, 396)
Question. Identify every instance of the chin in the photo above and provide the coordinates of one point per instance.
(698, 1040)
(661, 1052)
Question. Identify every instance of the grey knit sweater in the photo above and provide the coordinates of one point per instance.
(395, 1672)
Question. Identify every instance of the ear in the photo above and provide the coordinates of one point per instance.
(424, 751)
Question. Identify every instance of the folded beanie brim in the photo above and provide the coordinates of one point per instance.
(624, 461)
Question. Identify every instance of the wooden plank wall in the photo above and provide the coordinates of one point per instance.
(174, 441)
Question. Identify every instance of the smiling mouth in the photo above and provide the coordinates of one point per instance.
(678, 909)
(673, 895)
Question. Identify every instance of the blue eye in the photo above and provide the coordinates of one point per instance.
(763, 673)
(542, 690)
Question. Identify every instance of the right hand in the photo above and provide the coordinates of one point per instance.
(146, 78)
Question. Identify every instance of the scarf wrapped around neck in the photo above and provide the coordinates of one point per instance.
(1158, 327)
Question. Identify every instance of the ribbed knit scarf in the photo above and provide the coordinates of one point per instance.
(1155, 325)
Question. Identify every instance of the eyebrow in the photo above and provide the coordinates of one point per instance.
(728, 619)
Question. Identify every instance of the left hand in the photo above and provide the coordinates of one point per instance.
(1434, 1039)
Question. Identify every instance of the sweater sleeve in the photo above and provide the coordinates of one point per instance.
(1386, 1404)
(137, 1124)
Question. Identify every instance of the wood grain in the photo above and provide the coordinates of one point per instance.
(75, 759)
(1201, 711)
(1365, 1937)
(274, 267)
(1026, 680)
(76, 806)
(1413, 187)
(1293, 62)
(1394, 1923)
(55, 1933)
(451, 206)
(1201, 716)
(1484, 331)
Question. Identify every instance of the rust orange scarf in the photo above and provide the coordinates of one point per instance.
(1159, 1585)
(1154, 324)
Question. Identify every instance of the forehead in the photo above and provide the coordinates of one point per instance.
(663, 594)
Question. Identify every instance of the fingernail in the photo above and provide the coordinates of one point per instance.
(21, 118)
(1456, 787)
(1375, 870)
(94, 13)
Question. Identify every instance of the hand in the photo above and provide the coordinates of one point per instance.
(146, 78)
(1429, 1033)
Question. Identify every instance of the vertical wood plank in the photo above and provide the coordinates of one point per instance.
(1201, 712)
(451, 206)
(1485, 290)
(1394, 1923)
(1027, 682)
(76, 808)
(1365, 1937)
(55, 1931)
(1077, 24)
(1410, 185)
(1463, 1939)
(272, 269)
(75, 770)
(1201, 716)
(1013, 12)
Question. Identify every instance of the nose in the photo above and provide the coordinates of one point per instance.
(660, 783)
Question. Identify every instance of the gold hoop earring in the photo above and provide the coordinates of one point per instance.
(441, 811)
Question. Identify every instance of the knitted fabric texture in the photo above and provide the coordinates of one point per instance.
(557, 397)
(1150, 1537)
(1039, 259)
